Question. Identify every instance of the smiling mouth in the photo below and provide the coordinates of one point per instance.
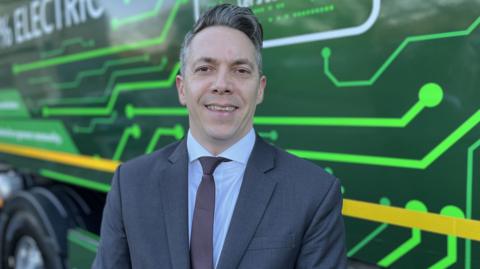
(219, 108)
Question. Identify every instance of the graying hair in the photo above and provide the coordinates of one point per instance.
(239, 18)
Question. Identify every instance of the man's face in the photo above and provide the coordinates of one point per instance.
(221, 86)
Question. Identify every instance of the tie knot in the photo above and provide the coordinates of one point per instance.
(210, 163)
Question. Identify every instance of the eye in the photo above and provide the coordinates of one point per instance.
(202, 69)
(244, 71)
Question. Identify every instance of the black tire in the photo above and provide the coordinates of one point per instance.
(31, 217)
(25, 225)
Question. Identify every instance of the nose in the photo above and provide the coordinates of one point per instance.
(222, 83)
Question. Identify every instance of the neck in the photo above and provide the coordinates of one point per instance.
(216, 146)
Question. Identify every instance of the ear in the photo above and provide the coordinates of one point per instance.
(261, 89)
(180, 82)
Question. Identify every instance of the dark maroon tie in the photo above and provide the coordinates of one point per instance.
(201, 242)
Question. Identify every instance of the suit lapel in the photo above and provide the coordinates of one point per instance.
(174, 192)
(252, 201)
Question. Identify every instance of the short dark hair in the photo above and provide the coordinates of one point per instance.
(239, 18)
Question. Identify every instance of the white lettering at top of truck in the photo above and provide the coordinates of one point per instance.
(43, 17)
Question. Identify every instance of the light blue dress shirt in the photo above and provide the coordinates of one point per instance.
(228, 179)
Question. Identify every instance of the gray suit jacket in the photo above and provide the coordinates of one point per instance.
(288, 214)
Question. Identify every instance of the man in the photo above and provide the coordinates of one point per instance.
(254, 206)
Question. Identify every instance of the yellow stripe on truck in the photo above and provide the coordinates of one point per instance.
(432, 222)
(83, 161)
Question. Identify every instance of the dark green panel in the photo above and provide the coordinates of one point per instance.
(82, 247)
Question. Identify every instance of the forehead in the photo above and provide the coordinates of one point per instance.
(221, 43)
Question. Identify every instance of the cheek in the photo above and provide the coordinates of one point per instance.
(188, 96)
(197, 90)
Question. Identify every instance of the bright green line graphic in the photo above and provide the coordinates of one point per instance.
(84, 239)
(110, 85)
(330, 171)
(423, 163)
(430, 95)
(131, 111)
(470, 157)
(451, 258)
(351, 122)
(86, 234)
(326, 53)
(403, 249)
(20, 68)
(177, 132)
(139, 17)
(132, 131)
(91, 126)
(411, 243)
(74, 180)
(272, 135)
(121, 87)
(82, 243)
(89, 73)
(65, 44)
(469, 203)
(360, 245)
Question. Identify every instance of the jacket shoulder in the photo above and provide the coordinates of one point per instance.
(147, 160)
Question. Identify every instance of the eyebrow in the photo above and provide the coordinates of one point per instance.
(214, 61)
(243, 61)
(205, 59)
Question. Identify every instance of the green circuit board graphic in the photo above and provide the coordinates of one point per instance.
(383, 94)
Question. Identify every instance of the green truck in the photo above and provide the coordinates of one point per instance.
(384, 94)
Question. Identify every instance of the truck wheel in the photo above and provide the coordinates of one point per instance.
(27, 246)
(31, 232)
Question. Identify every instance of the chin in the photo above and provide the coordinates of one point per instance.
(221, 134)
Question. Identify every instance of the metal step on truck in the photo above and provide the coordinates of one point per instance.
(384, 94)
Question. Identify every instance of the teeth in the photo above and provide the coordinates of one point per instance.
(221, 108)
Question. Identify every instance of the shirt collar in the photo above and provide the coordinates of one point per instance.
(238, 152)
